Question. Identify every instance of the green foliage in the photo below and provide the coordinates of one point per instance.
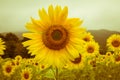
(100, 72)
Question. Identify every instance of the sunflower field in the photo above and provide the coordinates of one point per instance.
(58, 48)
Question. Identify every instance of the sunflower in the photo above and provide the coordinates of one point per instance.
(101, 59)
(26, 74)
(109, 58)
(18, 58)
(86, 36)
(2, 47)
(117, 58)
(29, 61)
(91, 49)
(113, 42)
(55, 39)
(43, 67)
(108, 54)
(39, 66)
(77, 63)
(92, 62)
(16, 63)
(8, 69)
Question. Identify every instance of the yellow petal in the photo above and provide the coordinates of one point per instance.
(36, 51)
(57, 13)
(71, 50)
(33, 46)
(39, 24)
(33, 28)
(50, 57)
(31, 43)
(63, 15)
(73, 22)
(42, 55)
(32, 36)
(44, 16)
(51, 13)
(28, 42)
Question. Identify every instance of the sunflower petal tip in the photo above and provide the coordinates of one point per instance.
(50, 5)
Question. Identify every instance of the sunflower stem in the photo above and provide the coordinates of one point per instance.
(57, 74)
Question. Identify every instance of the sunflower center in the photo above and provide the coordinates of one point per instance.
(117, 59)
(42, 66)
(93, 63)
(36, 64)
(56, 37)
(8, 69)
(26, 75)
(116, 43)
(86, 39)
(77, 60)
(90, 49)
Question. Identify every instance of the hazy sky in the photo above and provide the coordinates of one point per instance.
(97, 14)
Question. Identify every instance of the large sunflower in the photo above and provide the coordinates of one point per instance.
(55, 38)
(2, 47)
(113, 42)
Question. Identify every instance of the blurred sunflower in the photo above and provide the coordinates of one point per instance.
(55, 39)
(91, 49)
(108, 54)
(86, 36)
(109, 58)
(113, 42)
(101, 59)
(18, 58)
(8, 69)
(39, 66)
(26, 74)
(92, 62)
(43, 67)
(16, 63)
(29, 61)
(2, 47)
(117, 58)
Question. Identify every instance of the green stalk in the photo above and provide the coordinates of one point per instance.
(57, 74)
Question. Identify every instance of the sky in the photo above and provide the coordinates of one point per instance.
(96, 14)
